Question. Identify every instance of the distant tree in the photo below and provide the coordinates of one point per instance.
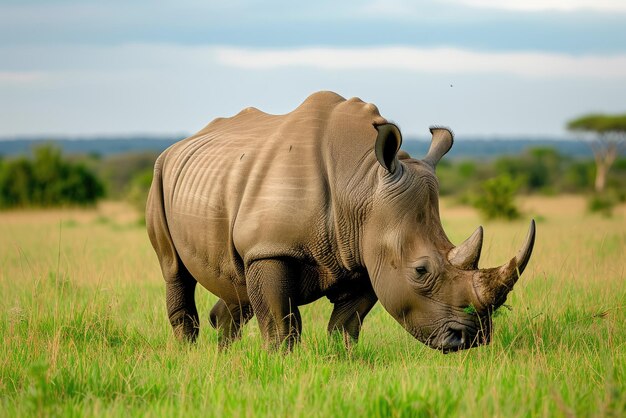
(609, 132)
(16, 183)
(47, 180)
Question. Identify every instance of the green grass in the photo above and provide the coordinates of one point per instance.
(84, 331)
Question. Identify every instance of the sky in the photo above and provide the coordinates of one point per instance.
(496, 68)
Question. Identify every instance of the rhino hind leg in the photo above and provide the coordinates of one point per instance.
(270, 290)
(179, 283)
(228, 319)
(348, 313)
(181, 307)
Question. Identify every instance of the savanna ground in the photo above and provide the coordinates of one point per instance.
(85, 332)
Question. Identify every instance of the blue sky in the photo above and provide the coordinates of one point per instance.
(483, 67)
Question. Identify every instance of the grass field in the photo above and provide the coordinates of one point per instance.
(85, 332)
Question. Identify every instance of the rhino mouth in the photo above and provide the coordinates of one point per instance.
(462, 339)
(457, 335)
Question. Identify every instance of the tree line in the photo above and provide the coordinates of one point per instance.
(48, 178)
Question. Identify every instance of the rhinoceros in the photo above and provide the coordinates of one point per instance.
(271, 212)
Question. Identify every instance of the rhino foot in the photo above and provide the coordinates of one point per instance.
(269, 284)
(228, 320)
(181, 309)
(348, 313)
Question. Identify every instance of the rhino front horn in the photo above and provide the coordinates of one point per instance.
(492, 285)
(522, 258)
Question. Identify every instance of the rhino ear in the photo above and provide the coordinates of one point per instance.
(387, 146)
(440, 144)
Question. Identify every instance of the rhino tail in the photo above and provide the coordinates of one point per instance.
(156, 221)
(180, 284)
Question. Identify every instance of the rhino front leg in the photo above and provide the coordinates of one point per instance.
(228, 319)
(348, 314)
(270, 284)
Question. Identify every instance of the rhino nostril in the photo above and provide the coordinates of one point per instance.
(464, 338)
(460, 337)
(455, 339)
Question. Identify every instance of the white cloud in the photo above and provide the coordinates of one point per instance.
(20, 77)
(428, 60)
(545, 5)
(157, 88)
(386, 8)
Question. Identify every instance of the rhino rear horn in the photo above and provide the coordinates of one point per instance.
(467, 254)
(441, 142)
(387, 146)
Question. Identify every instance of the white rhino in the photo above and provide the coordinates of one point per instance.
(270, 212)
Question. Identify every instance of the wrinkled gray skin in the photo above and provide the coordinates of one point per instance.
(272, 212)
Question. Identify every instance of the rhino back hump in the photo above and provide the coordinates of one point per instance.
(259, 185)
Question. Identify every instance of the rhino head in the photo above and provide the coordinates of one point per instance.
(434, 289)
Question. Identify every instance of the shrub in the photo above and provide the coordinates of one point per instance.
(579, 176)
(47, 180)
(119, 171)
(538, 169)
(139, 188)
(602, 204)
(497, 198)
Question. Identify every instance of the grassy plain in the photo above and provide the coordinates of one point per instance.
(84, 331)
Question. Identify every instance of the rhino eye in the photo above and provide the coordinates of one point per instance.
(421, 270)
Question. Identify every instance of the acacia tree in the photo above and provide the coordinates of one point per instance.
(609, 135)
